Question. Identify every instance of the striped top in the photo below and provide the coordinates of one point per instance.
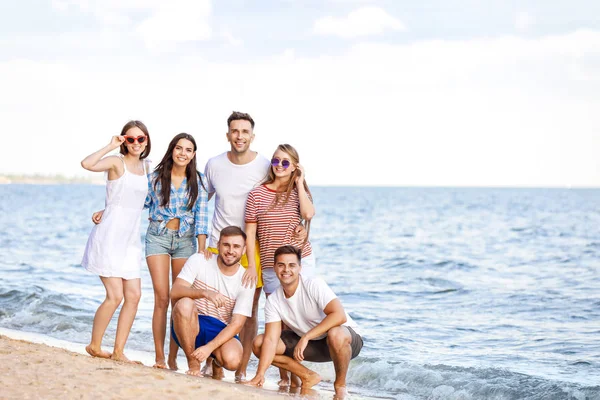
(196, 218)
(205, 274)
(275, 225)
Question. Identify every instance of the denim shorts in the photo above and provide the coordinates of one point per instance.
(169, 242)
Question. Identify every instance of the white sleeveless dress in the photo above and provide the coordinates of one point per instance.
(114, 248)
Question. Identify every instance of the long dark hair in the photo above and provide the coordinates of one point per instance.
(163, 169)
(139, 124)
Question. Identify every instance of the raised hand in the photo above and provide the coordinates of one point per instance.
(299, 175)
(116, 141)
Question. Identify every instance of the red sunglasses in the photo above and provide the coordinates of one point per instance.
(131, 139)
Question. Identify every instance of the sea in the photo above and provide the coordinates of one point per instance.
(459, 293)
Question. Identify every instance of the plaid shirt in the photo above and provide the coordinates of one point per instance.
(177, 207)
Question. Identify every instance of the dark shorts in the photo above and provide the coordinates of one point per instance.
(210, 327)
(318, 350)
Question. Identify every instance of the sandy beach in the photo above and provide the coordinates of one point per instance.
(38, 371)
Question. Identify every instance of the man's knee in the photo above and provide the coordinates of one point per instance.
(184, 308)
(257, 344)
(231, 360)
(338, 337)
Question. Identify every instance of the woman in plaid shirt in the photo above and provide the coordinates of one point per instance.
(178, 204)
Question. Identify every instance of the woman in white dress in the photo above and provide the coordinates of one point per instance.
(114, 248)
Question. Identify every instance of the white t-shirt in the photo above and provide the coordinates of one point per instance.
(304, 310)
(203, 274)
(231, 184)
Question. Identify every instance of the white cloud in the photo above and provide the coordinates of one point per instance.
(365, 21)
(229, 38)
(159, 23)
(177, 21)
(503, 111)
(523, 21)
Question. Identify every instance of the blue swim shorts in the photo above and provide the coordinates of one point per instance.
(210, 327)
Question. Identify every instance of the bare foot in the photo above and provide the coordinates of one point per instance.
(217, 371)
(121, 357)
(309, 393)
(294, 390)
(160, 365)
(207, 369)
(296, 381)
(311, 380)
(340, 393)
(283, 383)
(173, 365)
(194, 372)
(239, 378)
(96, 352)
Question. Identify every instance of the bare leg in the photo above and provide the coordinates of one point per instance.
(208, 367)
(229, 355)
(114, 296)
(185, 324)
(159, 272)
(247, 335)
(339, 340)
(309, 378)
(176, 267)
(132, 291)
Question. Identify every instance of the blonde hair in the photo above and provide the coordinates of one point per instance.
(295, 160)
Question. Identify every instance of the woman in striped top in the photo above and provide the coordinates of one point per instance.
(273, 212)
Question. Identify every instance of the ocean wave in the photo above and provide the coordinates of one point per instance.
(450, 382)
(40, 310)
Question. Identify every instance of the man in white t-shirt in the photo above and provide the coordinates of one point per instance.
(212, 304)
(231, 176)
(321, 330)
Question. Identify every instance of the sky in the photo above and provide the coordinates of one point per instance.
(370, 92)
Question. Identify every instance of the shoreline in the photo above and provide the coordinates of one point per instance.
(38, 370)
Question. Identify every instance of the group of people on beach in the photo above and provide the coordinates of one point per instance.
(259, 241)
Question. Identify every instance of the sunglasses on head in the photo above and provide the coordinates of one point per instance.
(284, 163)
(131, 139)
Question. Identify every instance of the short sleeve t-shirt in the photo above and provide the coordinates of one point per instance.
(275, 224)
(304, 310)
(231, 184)
(205, 274)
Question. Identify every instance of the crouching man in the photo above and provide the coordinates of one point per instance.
(321, 330)
(211, 304)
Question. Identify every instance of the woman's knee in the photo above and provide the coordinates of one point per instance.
(161, 300)
(133, 296)
(114, 298)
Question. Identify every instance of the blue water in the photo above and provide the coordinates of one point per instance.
(460, 293)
